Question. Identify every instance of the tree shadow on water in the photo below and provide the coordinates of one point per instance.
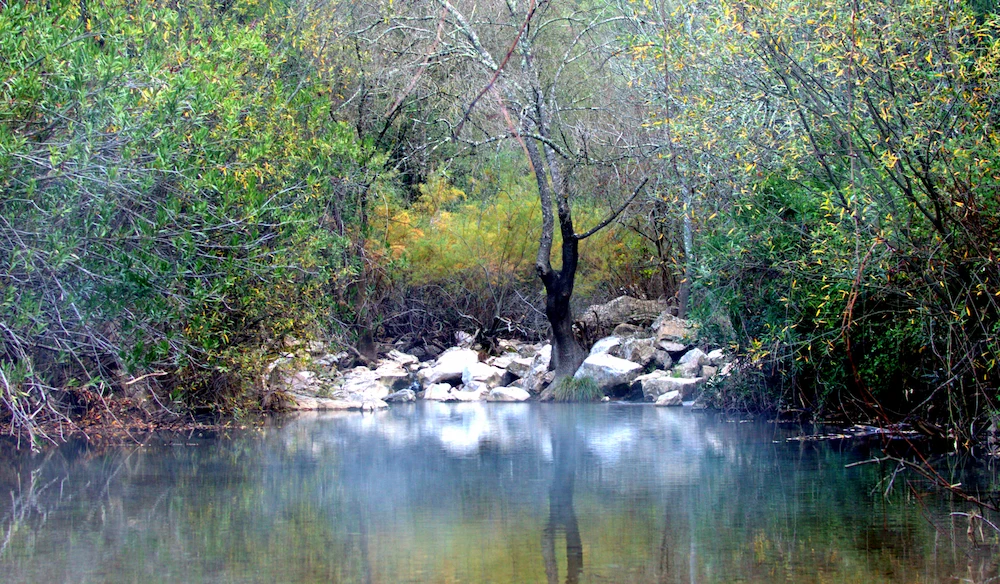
(562, 516)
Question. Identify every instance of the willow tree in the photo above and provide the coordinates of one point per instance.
(548, 79)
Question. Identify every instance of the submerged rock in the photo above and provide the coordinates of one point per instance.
(401, 396)
(301, 401)
(507, 394)
(438, 392)
(670, 398)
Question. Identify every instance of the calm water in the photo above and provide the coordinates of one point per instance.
(480, 493)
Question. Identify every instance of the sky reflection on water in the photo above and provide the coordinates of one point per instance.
(475, 492)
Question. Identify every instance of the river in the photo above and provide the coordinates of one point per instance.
(477, 492)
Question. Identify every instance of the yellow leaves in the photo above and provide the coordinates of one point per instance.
(889, 159)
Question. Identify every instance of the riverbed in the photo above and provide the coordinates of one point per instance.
(486, 492)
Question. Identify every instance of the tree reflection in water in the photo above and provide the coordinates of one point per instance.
(561, 512)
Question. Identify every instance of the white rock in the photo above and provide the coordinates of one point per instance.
(607, 371)
(708, 371)
(482, 373)
(507, 394)
(312, 402)
(393, 375)
(671, 398)
(519, 367)
(473, 391)
(689, 370)
(658, 383)
(448, 366)
(540, 363)
(671, 347)
(404, 359)
(401, 396)
(364, 384)
(438, 392)
(605, 345)
(716, 357)
(695, 355)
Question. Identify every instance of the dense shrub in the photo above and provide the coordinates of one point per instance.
(175, 196)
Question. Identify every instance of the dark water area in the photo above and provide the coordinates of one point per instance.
(480, 492)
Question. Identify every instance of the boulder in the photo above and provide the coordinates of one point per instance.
(449, 366)
(600, 319)
(536, 382)
(716, 357)
(438, 392)
(672, 347)
(507, 394)
(401, 396)
(605, 345)
(312, 402)
(302, 381)
(542, 359)
(364, 384)
(519, 367)
(474, 391)
(408, 361)
(658, 383)
(626, 330)
(671, 398)
(695, 355)
(393, 376)
(482, 373)
(662, 359)
(639, 351)
(678, 330)
(607, 371)
(708, 371)
(689, 370)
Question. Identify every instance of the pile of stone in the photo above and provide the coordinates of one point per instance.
(659, 363)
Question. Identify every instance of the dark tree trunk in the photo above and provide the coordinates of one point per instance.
(567, 353)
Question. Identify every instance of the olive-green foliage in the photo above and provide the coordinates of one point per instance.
(168, 174)
(474, 239)
(862, 263)
(577, 389)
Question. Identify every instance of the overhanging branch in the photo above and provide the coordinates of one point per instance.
(614, 213)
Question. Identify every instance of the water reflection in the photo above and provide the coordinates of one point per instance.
(562, 517)
(478, 493)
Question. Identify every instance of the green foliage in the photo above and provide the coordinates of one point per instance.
(862, 264)
(169, 178)
(573, 389)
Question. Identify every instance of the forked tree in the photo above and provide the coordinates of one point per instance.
(548, 77)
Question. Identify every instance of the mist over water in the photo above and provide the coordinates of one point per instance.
(481, 492)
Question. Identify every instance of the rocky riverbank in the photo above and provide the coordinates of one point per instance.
(660, 362)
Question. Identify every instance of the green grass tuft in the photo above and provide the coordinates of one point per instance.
(570, 389)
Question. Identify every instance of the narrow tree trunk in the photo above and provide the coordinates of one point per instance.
(685, 290)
